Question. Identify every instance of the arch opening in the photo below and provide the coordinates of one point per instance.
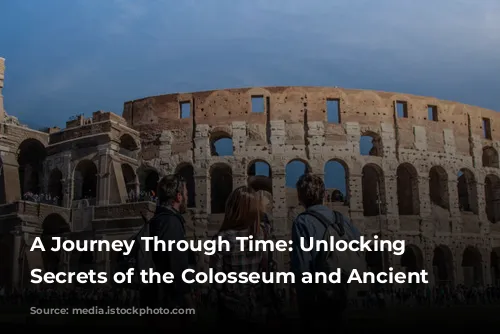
(259, 168)
(442, 263)
(129, 178)
(412, 261)
(407, 190)
(370, 144)
(490, 157)
(377, 261)
(53, 225)
(85, 180)
(495, 266)
(492, 198)
(467, 191)
(148, 180)
(294, 170)
(221, 144)
(336, 182)
(260, 177)
(221, 186)
(472, 267)
(438, 187)
(187, 173)
(31, 155)
(128, 146)
(128, 143)
(373, 188)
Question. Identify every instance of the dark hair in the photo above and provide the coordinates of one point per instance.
(168, 188)
(243, 210)
(310, 190)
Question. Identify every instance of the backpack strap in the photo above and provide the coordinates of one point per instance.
(338, 223)
(170, 212)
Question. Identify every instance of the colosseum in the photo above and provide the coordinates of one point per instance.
(430, 174)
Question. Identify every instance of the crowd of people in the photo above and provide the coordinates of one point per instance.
(41, 198)
(318, 305)
(142, 196)
(205, 297)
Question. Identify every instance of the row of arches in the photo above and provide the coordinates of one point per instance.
(370, 144)
(373, 184)
(374, 189)
(443, 264)
(221, 144)
(31, 155)
(260, 175)
(336, 177)
(413, 259)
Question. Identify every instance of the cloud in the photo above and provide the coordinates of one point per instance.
(68, 77)
(132, 48)
(125, 14)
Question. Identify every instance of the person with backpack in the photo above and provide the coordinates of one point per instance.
(238, 304)
(321, 305)
(168, 224)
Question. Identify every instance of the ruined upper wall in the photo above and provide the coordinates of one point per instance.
(100, 123)
(152, 115)
(2, 73)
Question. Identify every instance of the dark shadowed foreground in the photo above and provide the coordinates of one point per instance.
(389, 320)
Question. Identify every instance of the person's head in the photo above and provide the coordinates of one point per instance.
(310, 190)
(243, 210)
(172, 191)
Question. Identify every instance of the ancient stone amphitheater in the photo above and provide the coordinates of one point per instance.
(430, 177)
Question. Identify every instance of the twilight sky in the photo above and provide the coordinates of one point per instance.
(69, 57)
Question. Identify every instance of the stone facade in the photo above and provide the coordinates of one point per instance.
(431, 177)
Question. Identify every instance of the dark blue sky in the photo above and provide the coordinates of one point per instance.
(69, 57)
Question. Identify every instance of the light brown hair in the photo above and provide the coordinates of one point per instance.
(243, 211)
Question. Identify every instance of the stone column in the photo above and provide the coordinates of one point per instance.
(165, 148)
(428, 257)
(316, 139)
(391, 204)
(427, 226)
(279, 199)
(103, 264)
(10, 173)
(67, 180)
(239, 137)
(481, 206)
(486, 266)
(456, 216)
(424, 192)
(201, 157)
(239, 173)
(356, 200)
(282, 226)
(457, 258)
(200, 226)
(202, 188)
(16, 256)
(103, 183)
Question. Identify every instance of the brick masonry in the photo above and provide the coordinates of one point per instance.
(415, 168)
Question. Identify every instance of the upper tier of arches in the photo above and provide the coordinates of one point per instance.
(332, 105)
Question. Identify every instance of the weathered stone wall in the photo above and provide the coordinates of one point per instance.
(408, 187)
(294, 126)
